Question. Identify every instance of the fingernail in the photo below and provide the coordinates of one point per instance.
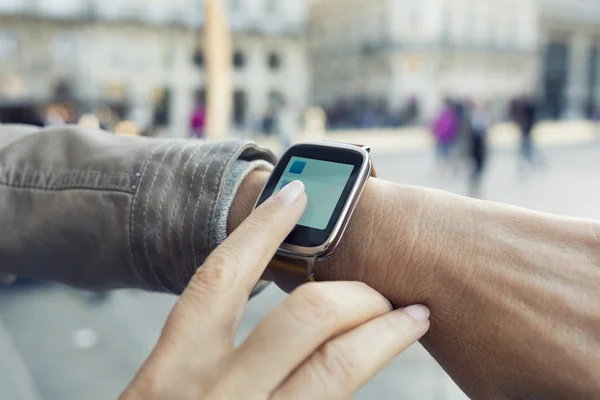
(418, 312)
(290, 193)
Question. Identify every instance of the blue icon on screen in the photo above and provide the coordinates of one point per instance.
(284, 184)
(297, 167)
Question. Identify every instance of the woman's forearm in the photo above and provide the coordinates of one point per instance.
(514, 293)
(516, 301)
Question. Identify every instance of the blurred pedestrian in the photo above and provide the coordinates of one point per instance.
(445, 129)
(55, 116)
(481, 120)
(269, 121)
(412, 111)
(198, 121)
(525, 111)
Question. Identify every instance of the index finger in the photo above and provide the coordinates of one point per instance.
(205, 319)
(231, 271)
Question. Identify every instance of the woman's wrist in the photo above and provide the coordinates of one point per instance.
(384, 244)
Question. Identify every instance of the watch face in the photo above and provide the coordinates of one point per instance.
(332, 175)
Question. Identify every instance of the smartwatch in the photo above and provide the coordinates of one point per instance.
(334, 176)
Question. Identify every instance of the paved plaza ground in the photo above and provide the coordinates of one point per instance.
(58, 344)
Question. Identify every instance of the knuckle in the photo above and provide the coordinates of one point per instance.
(150, 382)
(334, 362)
(219, 271)
(312, 304)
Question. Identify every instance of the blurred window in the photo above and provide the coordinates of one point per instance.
(274, 61)
(556, 77)
(240, 107)
(200, 96)
(9, 45)
(198, 58)
(239, 59)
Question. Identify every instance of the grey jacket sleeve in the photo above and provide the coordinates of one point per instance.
(94, 210)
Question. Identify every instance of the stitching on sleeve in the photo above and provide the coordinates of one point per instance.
(193, 235)
(174, 214)
(66, 189)
(146, 207)
(162, 205)
(132, 217)
(187, 205)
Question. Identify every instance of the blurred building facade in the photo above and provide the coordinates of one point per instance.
(393, 50)
(143, 58)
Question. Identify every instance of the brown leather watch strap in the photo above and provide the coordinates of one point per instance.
(290, 273)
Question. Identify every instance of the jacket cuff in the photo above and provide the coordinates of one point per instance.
(178, 204)
(238, 172)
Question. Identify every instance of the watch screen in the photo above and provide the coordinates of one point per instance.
(324, 182)
(329, 174)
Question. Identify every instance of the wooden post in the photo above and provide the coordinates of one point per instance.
(218, 57)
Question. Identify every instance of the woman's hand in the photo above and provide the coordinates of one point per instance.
(324, 341)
